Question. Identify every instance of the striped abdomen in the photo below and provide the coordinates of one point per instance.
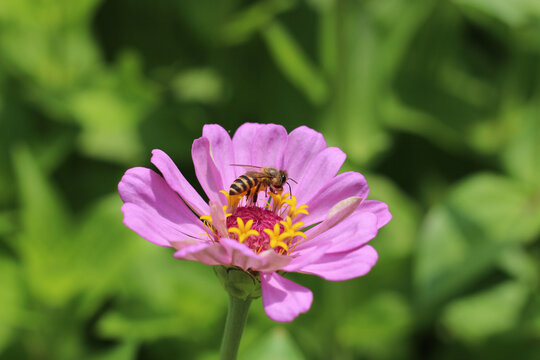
(242, 185)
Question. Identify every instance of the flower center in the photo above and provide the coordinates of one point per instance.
(247, 225)
(271, 226)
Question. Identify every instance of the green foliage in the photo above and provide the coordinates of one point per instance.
(436, 102)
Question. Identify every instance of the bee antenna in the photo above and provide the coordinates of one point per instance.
(294, 181)
(290, 191)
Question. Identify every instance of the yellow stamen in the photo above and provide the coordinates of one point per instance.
(292, 229)
(206, 218)
(278, 200)
(276, 238)
(243, 231)
(293, 210)
(232, 200)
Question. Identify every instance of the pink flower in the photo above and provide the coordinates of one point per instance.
(321, 229)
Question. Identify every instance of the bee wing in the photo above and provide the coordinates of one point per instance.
(247, 167)
(256, 174)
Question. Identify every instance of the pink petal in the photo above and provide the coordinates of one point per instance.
(242, 141)
(207, 171)
(337, 214)
(320, 171)
(178, 182)
(247, 259)
(221, 150)
(344, 265)
(206, 253)
(268, 146)
(284, 300)
(231, 252)
(301, 258)
(303, 144)
(378, 208)
(341, 187)
(153, 210)
(259, 145)
(355, 231)
(218, 219)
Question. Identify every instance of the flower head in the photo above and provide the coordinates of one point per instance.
(321, 226)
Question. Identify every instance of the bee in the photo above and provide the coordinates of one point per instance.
(253, 182)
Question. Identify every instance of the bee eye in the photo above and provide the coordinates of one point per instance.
(283, 178)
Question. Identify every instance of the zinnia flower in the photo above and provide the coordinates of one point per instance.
(319, 226)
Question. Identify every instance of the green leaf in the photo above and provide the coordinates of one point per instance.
(278, 344)
(7, 223)
(43, 215)
(62, 260)
(198, 85)
(164, 296)
(294, 63)
(378, 328)
(246, 23)
(504, 209)
(124, 351)
(521, 265)
(110, 110)
(514, 13)
(43, 241)
(396, 239)
(103, 248)
(132, 328)
(462, 238)
(494, 311)
(11, 301)
(522, 155)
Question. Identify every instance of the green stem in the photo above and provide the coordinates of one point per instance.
(234, 326)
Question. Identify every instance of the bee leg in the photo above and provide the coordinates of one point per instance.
(255, 195)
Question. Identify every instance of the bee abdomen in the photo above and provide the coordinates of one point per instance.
(240, 185)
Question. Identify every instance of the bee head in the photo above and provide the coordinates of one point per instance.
(283, 177)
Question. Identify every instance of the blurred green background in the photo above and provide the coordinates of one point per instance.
(437, 102)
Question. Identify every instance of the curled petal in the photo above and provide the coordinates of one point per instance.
(378, 208)
(341, 187)
(344, 265)
(178, 182)
(345, 236)
(284, 300)
(337, 214)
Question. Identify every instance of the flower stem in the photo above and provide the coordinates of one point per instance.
(234, 326)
